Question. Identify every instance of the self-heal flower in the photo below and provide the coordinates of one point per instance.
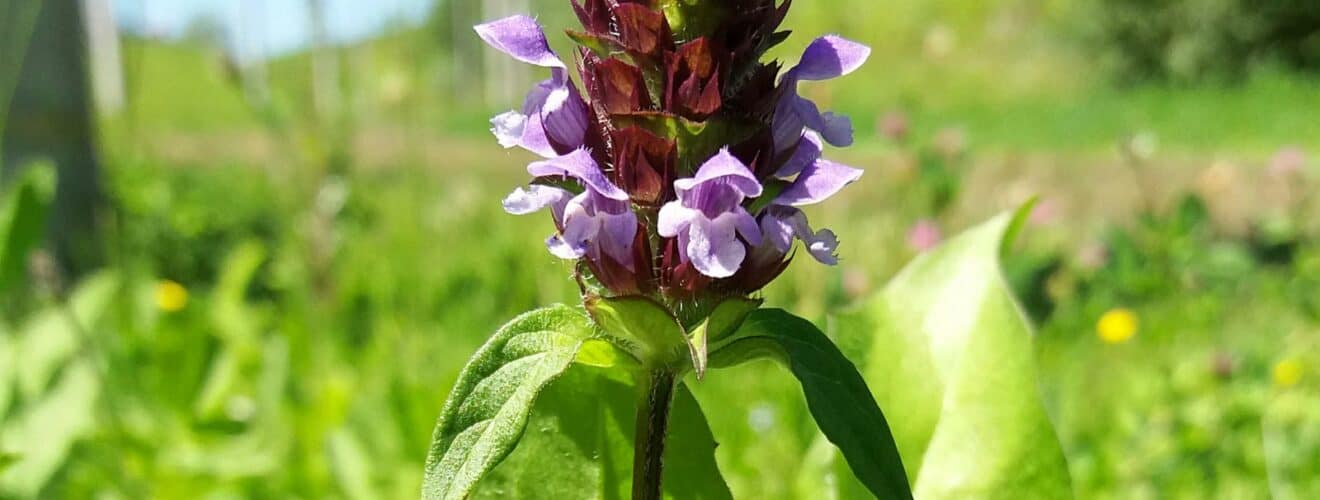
(612, 160)
(826, 58)
(553, 118)
(708, 216)
(597, 222)
(816, 180)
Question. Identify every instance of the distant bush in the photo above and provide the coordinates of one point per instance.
(1202, 40)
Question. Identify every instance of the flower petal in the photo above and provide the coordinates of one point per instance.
(521, 38)
(617, 232)
(525, 129)
(829, 56)
(746, 225)
(823, 247)
(579, 165)
(580, 226)
(821, 180)
(808, 151)
(837, 130)
(673, 219)
(508, 128)
(724, 167)
(781, 224)
(560, 248)
(564, 116)
(777, 232)
(787, 125)
(534, 198)
(713, 248)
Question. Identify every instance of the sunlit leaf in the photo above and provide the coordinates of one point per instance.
(47, 341)
(836, 394)
(489, 406)
(45, 431)
(579, 445)
(948, 354)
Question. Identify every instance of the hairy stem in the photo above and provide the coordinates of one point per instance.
(649, 438)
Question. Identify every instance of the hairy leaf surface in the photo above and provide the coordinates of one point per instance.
(488, 409)
(578, 444)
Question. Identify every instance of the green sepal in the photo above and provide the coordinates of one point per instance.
(770, 190)
(599, 45)
(723, 321)
(642, 327)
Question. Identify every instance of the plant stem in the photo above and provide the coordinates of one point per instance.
(649, 438)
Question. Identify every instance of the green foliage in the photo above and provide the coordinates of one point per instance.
(58, 387)
(579, 444)
(584, 417)
(1200, 40)
(838, 397)
(23, 209)
(945, 348)
(488, 409)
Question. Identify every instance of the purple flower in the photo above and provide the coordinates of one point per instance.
(817, 179)
(597, 222)
(708, 216)
(827, 57)
(781, 224)
(553, 116)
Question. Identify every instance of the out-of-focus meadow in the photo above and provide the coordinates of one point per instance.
(295, 256)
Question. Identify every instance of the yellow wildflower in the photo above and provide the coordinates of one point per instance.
(171, 296)
(1287, 372)
(1117, 326)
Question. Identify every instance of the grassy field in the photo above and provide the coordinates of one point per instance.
(289, 298)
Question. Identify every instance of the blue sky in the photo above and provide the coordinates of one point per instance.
(267, 27)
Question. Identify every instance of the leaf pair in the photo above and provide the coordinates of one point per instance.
(581, 439)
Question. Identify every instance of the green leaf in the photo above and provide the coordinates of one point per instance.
(948, 352)
(23, 221)
(579, 444)
(836, 394)
(488, 408)
(44, 433)
(642, 327)
(53, 336)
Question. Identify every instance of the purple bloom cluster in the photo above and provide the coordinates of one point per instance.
(725, 226)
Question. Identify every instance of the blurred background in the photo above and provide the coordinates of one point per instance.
(246, 245)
